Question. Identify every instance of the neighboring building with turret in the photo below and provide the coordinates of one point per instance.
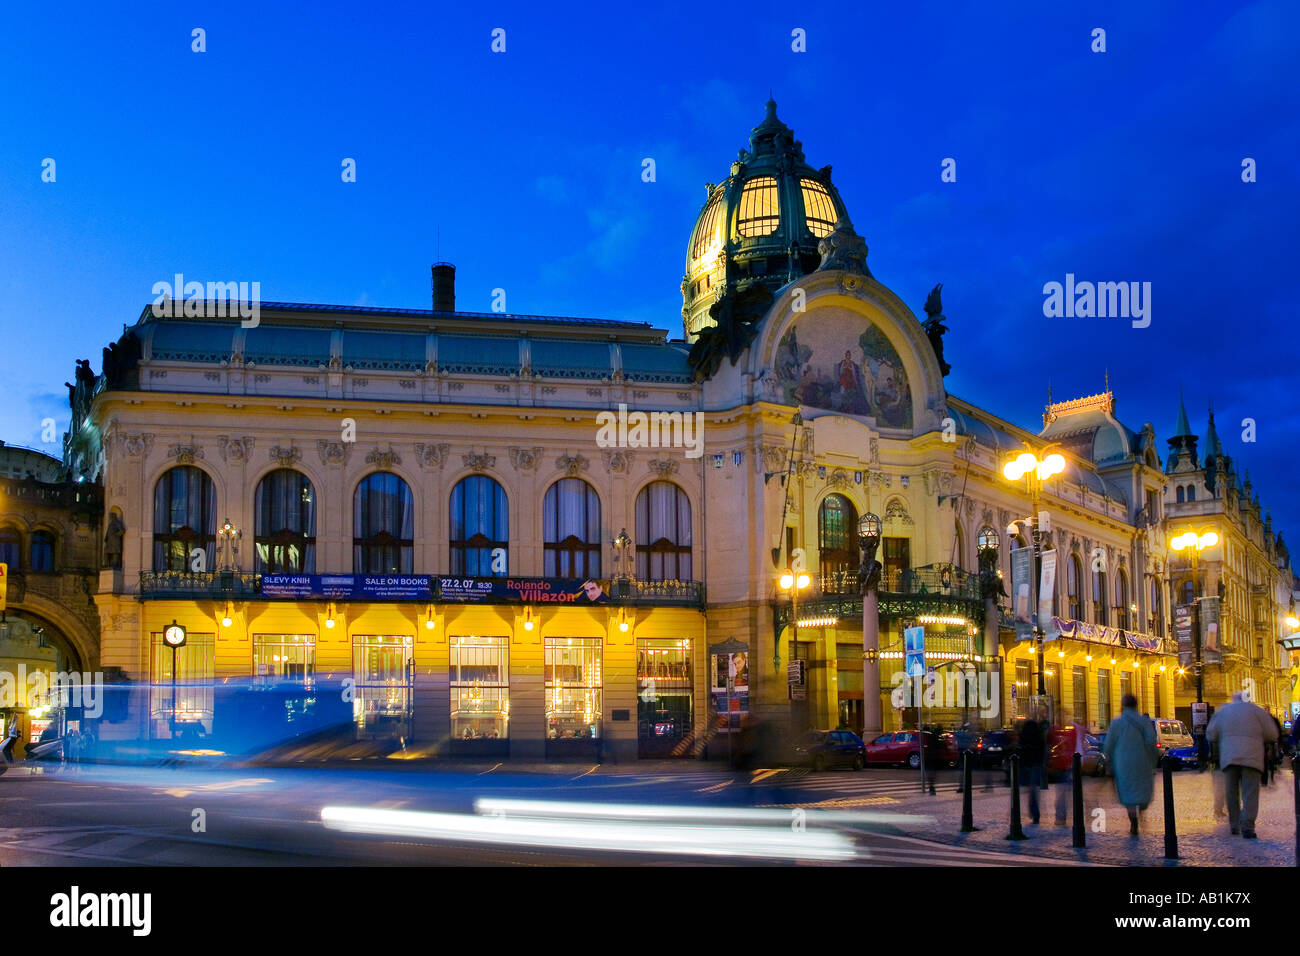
(1244, 574)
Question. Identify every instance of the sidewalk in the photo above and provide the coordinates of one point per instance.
(1202, 840)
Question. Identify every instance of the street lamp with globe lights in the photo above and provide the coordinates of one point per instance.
(1194, 544)
(1035, 471)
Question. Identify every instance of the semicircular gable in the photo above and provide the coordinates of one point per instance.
(853, 350)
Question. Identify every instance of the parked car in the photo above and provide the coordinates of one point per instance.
(1184, 758)
(903, 748)
(1094, 757)
(1171, 735)
(821, 749)
(994, 746)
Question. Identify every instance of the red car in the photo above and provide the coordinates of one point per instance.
(903, 748)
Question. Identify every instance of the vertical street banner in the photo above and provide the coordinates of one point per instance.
(4, 587)
(1046, 592)
(1183, 631)
(1022, 572)
(1210, 629)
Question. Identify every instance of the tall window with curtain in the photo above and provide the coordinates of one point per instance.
(663, 533)
(1121, 599)
(285, 524)
(383, 525)
(480, 523)
(1100, 611)
(1156, 622)
(184, 518)
(837, 543)
(1074, 597)
(42, 551)
(571, 530)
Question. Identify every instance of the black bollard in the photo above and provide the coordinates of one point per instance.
(1017, 833)
(1171, 830)
(1295, 784)
(967, 815)
(1080, 835)
(932, 776)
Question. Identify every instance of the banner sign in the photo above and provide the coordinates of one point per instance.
(522, 591)
(1099, 634)
(1022, 572)
(348, 587)
(1183, 630)
(1046, 593)
(1209, 629)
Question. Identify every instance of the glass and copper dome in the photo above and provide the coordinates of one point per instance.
(761, 224)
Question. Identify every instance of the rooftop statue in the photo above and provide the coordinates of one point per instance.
(934, 327)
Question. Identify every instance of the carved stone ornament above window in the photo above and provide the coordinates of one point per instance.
(287, 457)
(432, 456)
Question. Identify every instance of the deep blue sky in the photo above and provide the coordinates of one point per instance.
(1117, 166)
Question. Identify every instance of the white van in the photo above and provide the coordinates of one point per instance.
(1171, 734)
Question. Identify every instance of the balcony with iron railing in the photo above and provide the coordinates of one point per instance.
(939, 590)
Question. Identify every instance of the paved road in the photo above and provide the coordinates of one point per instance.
(112, 816)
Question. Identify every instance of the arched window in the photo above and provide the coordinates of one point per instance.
(760, 211)
(1191, 492)
(42, 551)
(959, 545)
(480, 524)
(818, 210)
(663, 533)
(1121, 599)
(285, 524)
(571, 530)
(1074, 596)
(383, 525)
(1188, 591)
(1182, 495)
(184, 518)
(1100, 611)
(11, 549)
(837, 541)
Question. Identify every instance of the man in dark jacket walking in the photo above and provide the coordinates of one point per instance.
(1033, 757)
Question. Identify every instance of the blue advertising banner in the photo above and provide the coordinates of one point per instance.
(522, 591)
(349, 587)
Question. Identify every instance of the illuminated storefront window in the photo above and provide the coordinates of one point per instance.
(573, 687)
(664, 712)
(189, 705)
(284, 656)
(382, 667)
(760, 210)
(480, 688)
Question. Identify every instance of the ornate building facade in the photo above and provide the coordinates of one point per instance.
(542, 535)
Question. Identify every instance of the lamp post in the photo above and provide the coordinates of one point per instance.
(173, 637)
(793, 580)
(869, 581)
(1194, 544)
(1035, 471)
